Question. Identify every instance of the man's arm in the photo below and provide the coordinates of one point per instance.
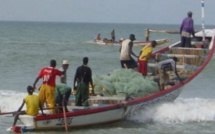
(20, 108)
(17, 113)
(91, 82)
(35, 82)
(182, 25)
(120, 47)
(176, 73)
(130, 49)
(193, 32)
(75, 78)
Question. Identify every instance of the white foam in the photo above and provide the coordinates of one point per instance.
(11, 100)
(182, 110)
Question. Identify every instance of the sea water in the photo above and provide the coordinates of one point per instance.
(26, 47)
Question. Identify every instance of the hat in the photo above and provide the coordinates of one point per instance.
(65, 62)
(132, 37)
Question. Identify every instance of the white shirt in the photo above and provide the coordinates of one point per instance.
(124, 53)
(63, 77)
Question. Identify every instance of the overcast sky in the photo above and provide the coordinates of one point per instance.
(108, 11)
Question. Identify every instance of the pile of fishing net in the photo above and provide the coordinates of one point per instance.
(123, 82)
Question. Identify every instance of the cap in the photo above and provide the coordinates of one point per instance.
(132, 37)
(65, 62)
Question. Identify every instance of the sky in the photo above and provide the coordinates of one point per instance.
(106, 11)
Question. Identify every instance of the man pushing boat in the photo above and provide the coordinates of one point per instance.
(126, 51)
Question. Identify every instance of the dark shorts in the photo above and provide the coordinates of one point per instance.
(128, 63)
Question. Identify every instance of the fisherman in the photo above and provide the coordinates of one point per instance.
(63, 77)
(32, 104)
(98, 37)
(165, 66)
(145, 55)
(82, 80)
(113, 35)
(126, 51)
(47, 89)
(63, 92)
(186, 30)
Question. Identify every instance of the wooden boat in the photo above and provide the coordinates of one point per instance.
(159, 42)
(105, 42)
(165, 31)
(136, 43)
(111, 109)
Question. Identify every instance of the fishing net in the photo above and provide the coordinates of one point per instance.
(123, 82)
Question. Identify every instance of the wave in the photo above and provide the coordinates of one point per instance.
(11, 100)
(180, 111)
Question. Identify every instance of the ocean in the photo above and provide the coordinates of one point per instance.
(26, 47)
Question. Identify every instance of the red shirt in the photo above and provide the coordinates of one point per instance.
(49, 75)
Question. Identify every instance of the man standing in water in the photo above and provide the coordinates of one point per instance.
(126, 51)
(186, 30)
(113, 35)
(47, 89)
(83, 77)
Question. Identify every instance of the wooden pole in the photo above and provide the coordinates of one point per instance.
(203, 20)
(64, 115)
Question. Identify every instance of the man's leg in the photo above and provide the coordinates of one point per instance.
(183, 39)
(78, 97)
(188, 42)
(17, 116)
(42, 94)
(50, 98)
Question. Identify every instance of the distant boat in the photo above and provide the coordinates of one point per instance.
(159, 42)
(136, 43)
(105, 110)
(164, 31)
